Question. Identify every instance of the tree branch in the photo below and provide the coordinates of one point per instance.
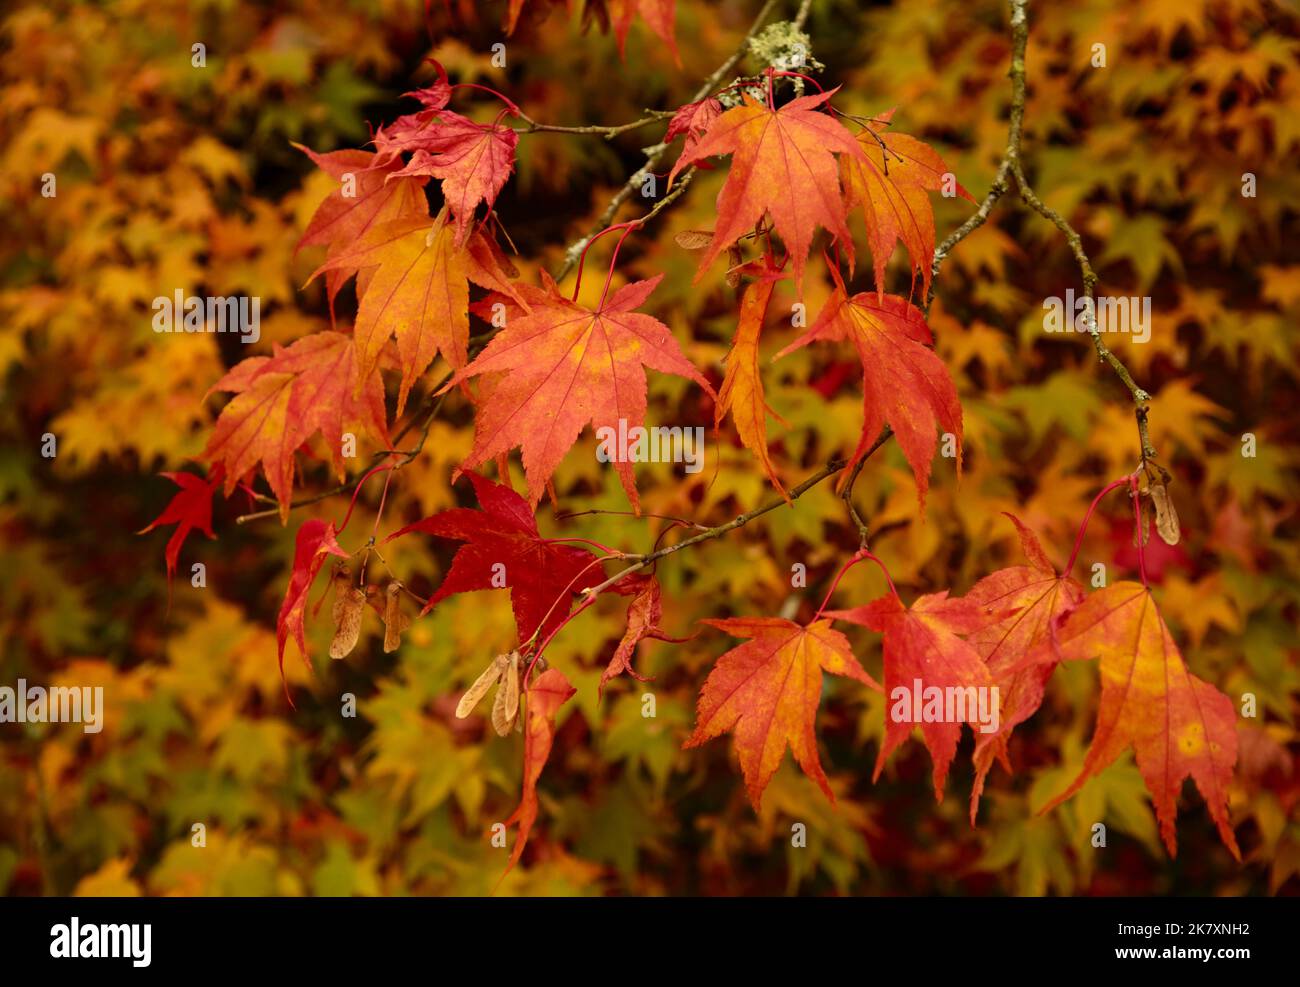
(654, 154)
(830, 469)
(1011, 167)
(609, 133)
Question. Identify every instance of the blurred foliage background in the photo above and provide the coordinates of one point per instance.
(171, 176)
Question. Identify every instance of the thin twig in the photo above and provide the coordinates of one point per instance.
(654, 154)
(609, 133)
(847, 493)
(1011, 167)
(739, 521)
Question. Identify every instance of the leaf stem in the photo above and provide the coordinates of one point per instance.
(860, 555)
(1139, 532)
(613, 260)
(1078, 539)
(382, 467)
(577, 282)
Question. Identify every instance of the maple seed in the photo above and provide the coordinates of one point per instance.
(1142, 533)
(475, 693)
(394, 620)
(735, 261)
(1166, 517)
(503, 672)
(694, 239)
(340, 577)
(348, 606)
(505, 708)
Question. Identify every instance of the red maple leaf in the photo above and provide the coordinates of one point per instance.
(314, 542)
(923, 652)
(190, 508)
(693, 120)
(473, 160)
(643, 616)
(503, 549)
(1020, 649)
(545, 696)
(904, 383)
(396, 137)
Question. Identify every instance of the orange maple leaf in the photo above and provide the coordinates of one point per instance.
(782, 164)
(1020, 649)
(418, 292)
(904, 382)
(566, 365)
(742, 387)
(315, 541)
(923, 652)
(1178, 725)
(282, 400)
(891, 181)
(767, 691)
(545, 696)
(347, 213)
